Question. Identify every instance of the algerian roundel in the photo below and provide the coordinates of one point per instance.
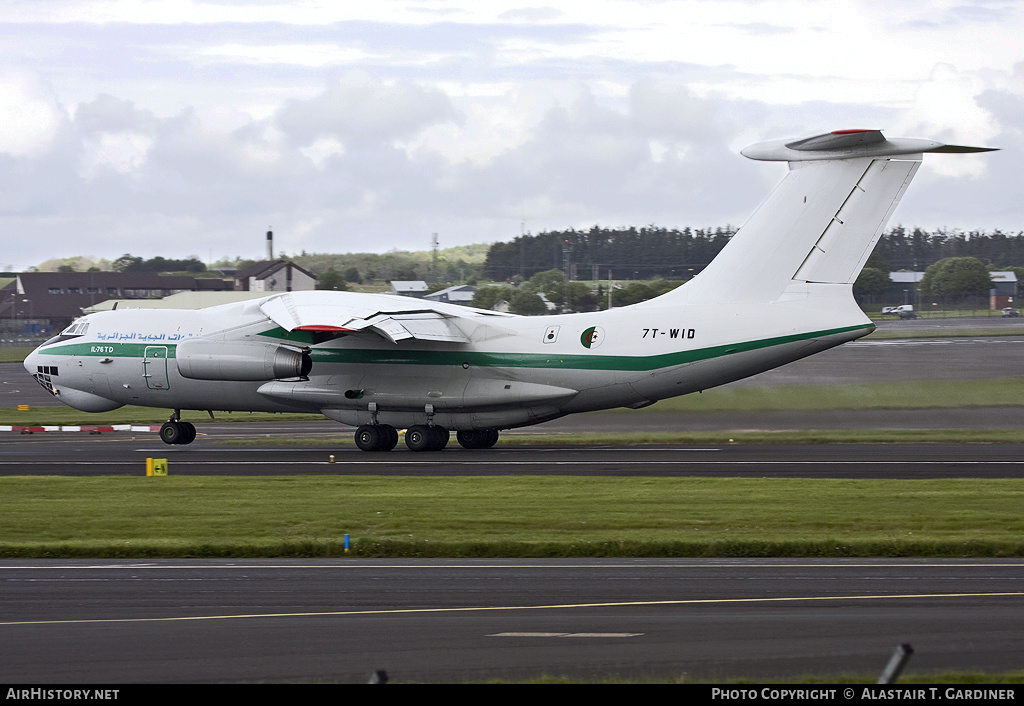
(592, 337)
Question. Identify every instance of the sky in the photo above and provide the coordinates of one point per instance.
(190, 127)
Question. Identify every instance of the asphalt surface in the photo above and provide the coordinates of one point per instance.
(338, 621)
(114, 622)
(119, 454)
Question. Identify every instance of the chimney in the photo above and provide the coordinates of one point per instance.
(270, 245)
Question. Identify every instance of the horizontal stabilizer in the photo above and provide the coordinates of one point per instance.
(838, 140)
(963, 149)
(848, 144)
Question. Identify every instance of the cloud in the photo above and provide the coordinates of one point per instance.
(30, 115)
(360, 107)
(530, 14)
(369, 127)
(106, 113)
(123, 152)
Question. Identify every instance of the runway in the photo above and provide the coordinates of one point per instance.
(79, 454)
(338, 621)
(112, 622)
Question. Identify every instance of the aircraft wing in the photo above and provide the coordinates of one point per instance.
(392, 318)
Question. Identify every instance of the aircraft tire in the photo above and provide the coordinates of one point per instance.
(390, 437)
(172, 432)
(188, 432)
(420, 437)
(477, 438)
(369, 437)
(441, 437)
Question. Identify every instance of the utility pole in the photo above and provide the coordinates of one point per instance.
(567, 266)
(433, 256)
(522, 246)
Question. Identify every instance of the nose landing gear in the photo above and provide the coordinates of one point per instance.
(175, 431)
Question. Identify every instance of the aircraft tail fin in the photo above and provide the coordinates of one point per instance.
(821, 223)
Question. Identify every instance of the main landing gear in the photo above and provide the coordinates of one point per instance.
(421, 437)
(376, 437)
(175, 431)
(477, 438)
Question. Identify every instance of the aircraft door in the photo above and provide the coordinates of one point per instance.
(154, 367)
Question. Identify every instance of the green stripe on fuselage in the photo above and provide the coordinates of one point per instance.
(571, 361)
(106, 350)
(396, 356)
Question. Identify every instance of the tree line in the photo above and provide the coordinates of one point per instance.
(648, 252)
(652, 252)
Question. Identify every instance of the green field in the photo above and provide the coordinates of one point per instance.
(14, 354)
(921, 394)
(520, 516)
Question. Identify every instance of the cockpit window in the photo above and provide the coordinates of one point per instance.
(79, 328)
(76, 329)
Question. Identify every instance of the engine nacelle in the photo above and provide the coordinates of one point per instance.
(240, 360)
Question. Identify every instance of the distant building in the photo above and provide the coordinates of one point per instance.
(1004, 290)
(181, 300)
(904, 287)
(904, 278)
(409, 288)
(38, 302)
(1002, 294)
(459, 294)
(274, 276)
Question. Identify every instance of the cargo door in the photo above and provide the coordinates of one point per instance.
(154, 367)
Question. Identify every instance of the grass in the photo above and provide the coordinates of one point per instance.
(945, 333)
(39, 416)
(14, 354)
(923, 394)
(519, 516)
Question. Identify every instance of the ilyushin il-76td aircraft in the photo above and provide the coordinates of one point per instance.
(779, 291)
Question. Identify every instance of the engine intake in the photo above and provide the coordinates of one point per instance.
(241, 361)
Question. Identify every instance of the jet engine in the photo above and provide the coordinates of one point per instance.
(240, 360)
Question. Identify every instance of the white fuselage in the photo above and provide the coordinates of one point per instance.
(513, 371)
